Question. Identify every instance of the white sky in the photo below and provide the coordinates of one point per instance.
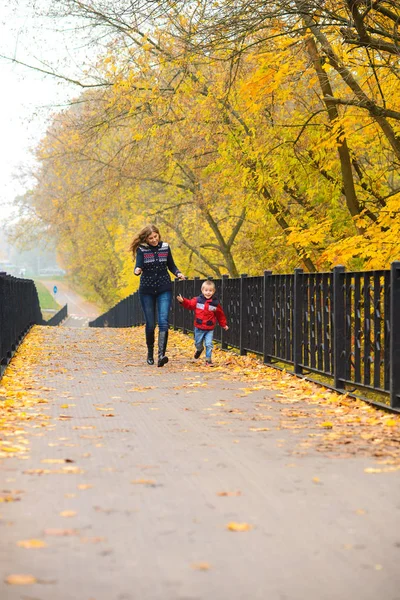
(28, 98)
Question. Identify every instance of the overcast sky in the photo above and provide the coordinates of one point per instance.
(28, 98)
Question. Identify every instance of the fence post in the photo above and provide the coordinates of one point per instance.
(339, 348)
(174, 300)
(395, 335)
(184, 294)
(224, 345)
(242, 314)
(195, 281)
(3, 321)
(267, 318)
(297, 321)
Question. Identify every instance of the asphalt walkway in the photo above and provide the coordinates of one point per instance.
(80, 310)
(128, 482)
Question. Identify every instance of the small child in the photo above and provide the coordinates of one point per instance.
(207, 312)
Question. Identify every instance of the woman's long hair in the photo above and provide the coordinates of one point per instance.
(141, 237)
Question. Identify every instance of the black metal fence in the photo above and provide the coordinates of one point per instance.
(19, 310)
(58, 317)
(342, 325)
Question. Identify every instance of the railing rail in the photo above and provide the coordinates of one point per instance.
(58, 318)
(342, 325)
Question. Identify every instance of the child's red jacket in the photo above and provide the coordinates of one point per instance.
(206, 312)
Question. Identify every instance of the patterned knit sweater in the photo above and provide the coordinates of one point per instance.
(155, 262)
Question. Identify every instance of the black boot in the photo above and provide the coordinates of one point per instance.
(162, 347)
(150, 348)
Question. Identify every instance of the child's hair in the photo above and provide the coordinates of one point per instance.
(208, 282)
(141, 237)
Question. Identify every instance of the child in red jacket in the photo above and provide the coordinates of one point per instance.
(208, 312)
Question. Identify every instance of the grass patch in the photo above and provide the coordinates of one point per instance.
(46, 300)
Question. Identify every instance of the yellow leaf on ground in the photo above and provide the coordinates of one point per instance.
(327, 425)
(32, 544)
(60, 532)
(384, 470)
(259, 429)
(201, 566)
(68, 513)
(232, 526)
(20, 579)
(84, 486)
(144, 481)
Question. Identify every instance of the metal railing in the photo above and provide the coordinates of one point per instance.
(19, 310)
(58, 318)
(342, 325)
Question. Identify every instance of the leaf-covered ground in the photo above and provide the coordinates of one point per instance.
(143, 480)
(324, 420)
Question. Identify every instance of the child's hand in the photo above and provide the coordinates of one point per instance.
(137, 271)
(180, 276)
(226, 327)
(179, 298)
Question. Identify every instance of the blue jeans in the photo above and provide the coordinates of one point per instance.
(204, 336)
(149, 303)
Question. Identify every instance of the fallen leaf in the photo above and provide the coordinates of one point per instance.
(9, 499)
(259, 429)
(232, 526)
(238, 493)
(20, 579)
(384, 470)
(201, 566)
(144, 481)
(84, 486)
(68, 513)
(60, 532)
(32, 544)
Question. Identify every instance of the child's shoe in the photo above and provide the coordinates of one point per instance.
(197, 354)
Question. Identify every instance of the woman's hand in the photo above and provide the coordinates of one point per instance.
(180, 276)
(226, 327)
(179, 298)
(138, 271)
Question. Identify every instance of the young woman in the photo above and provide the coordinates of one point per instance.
(153, 259)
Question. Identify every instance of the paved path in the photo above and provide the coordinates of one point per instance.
(159, 462)
(80, 311)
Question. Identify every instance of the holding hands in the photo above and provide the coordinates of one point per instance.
(180, 275)
(137, 271)
(180, 298)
